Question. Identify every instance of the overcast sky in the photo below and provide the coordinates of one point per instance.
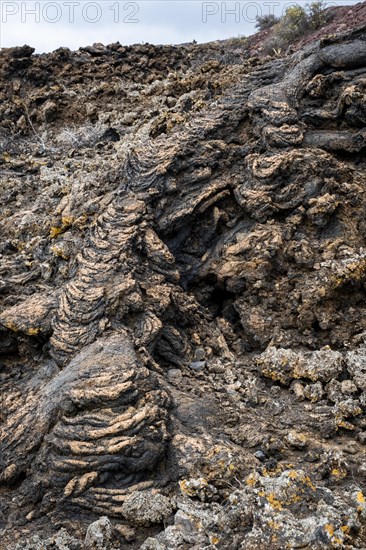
(49, 24)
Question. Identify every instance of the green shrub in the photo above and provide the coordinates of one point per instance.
(296, 23)
(318, 17)
(266, 21)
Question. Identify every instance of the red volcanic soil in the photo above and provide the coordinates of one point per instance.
(343, 18)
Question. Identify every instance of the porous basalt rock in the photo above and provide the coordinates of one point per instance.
(146, 507)
(274, 509)
(182, 294)
(60, 541)
(98, 535)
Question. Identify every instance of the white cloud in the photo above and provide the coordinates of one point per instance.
(45, 37)
(159, 22)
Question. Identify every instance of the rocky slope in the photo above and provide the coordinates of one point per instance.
(183, 267)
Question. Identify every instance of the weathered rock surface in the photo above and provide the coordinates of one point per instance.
(183, 315)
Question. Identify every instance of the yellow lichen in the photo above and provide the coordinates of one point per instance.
(360, 497)
(183, 486)
(59, 252)
(345, 425)
(294, 499)
(214, 540)
(190, 489)
(329, 529)
(11, 326)
(55, 232)
(338, 473)
(273, 524)
(66, 222)
(354, 272)
(275, 376)
(33, 331)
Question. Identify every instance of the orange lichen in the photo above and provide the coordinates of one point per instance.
(190, 487)
(273, 472)
(294, 499)
(307, 481)
(251, 480)
(274, 502)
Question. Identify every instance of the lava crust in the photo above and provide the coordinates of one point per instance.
(183, 313)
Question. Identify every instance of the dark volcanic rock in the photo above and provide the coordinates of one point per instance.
(183, 311)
